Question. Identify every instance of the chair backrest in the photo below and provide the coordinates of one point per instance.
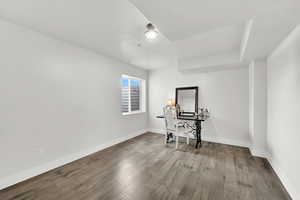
(170, 114)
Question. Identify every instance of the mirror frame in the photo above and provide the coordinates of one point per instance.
(196, 100)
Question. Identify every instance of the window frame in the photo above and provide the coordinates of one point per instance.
(142, 95)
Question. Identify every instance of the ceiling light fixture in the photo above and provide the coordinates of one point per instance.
(151, 33)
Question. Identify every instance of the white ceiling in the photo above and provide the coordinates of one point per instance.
(112, 27)
(214, 33)
(193, 34)
(212, 42)
(179, 19)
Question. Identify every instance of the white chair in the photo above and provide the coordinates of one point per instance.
(174, 126)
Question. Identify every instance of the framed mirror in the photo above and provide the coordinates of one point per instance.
(187, 100)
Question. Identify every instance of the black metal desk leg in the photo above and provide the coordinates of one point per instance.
(169, 135)
(198, 133)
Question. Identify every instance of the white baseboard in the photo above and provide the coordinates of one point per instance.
(278, 170)
(26, 174)
(227, 141)
(259, 153)
(293, 192)
(212, 139)
(155, 130)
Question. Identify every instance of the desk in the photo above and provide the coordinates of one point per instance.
(198, 124)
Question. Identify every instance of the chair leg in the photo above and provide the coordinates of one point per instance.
(177, 138)
(166, 138)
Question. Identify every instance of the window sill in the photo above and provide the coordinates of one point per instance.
(133, 113)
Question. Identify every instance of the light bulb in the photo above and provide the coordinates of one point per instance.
(151, 34)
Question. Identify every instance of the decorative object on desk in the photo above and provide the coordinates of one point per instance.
(203, 112)
(171, 102)
(187, 100)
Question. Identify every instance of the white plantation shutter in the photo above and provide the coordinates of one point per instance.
(135, 95)
(131, 95)
(125, 96)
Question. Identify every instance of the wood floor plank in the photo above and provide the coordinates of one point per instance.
(144, 168)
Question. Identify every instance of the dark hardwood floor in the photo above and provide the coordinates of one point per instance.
(144, 168)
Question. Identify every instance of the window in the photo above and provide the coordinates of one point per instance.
(133, 95)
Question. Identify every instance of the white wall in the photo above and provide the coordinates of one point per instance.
(225, 93)
(57, 101)
(283, 135)
(258, 107)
